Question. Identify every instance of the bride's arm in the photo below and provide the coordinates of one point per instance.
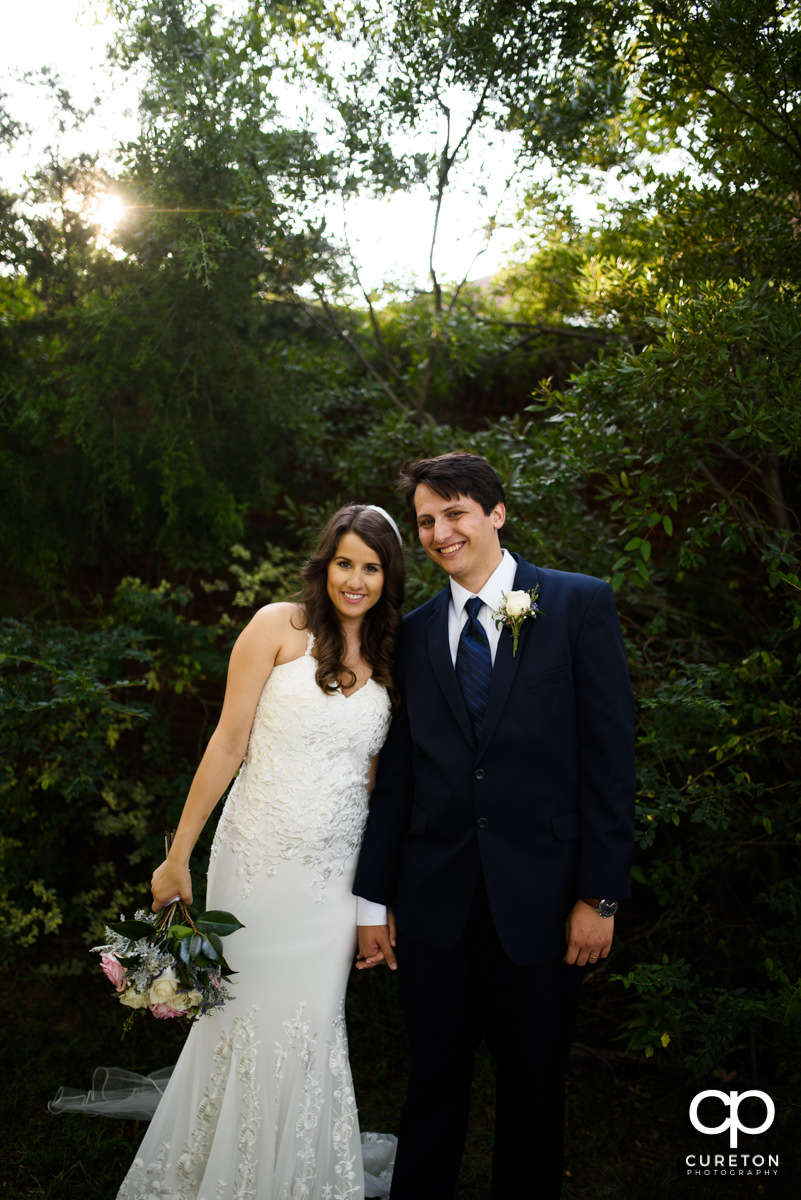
(252, 659)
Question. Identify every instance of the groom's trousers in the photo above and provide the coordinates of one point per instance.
(452, 999)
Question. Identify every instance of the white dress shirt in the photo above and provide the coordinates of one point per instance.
(501, 581)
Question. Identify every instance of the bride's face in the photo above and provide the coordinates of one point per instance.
(355, 577)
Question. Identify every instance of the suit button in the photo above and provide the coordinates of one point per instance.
(479, 774)
(483, 822)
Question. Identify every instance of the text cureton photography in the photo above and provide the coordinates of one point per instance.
(758, 1117)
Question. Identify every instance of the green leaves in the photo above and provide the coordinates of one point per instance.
(217, 923)
(135, 930)
(79, 705)
(201, 943)
(729, 72)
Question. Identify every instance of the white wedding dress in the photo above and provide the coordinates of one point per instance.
(260, 1105)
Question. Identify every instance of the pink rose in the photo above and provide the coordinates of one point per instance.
(114, 970)
(165, 1010)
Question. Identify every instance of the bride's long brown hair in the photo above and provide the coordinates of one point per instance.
(382, 623)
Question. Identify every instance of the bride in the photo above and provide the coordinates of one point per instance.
(260, 1104)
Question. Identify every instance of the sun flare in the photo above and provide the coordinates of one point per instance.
(106, 211)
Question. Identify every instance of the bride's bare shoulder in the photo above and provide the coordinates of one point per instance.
(281, 613)
(279, 627)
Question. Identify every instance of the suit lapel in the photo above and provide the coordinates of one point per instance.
(505, 666)
(439, 653)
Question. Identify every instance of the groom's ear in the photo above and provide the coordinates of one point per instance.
(498, 515)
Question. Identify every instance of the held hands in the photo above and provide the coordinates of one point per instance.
(588, 935)
(169, 882)
(377, 945)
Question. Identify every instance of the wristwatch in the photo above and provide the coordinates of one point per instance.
(604, 908)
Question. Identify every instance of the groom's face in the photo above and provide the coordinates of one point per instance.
(459, 536)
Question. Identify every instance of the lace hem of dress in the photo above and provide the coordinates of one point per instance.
(181, 1175)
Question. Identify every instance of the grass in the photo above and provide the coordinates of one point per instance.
(627, 1124)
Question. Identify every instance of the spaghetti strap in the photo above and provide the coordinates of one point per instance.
(309, 644)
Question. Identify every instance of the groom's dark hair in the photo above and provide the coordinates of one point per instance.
(452, 475)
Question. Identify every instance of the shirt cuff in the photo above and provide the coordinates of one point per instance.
(370, 913)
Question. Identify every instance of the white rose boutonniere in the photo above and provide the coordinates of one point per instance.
(514, 609)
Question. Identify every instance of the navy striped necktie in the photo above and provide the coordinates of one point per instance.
(474, 665)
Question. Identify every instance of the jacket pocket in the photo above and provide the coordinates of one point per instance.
(565, 826)
(547, 678)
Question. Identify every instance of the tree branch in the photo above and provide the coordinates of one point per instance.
(344, 336)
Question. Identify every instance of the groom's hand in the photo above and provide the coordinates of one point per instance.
(588, 935)
(377, 945)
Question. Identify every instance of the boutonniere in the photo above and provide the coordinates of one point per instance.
(514, 609)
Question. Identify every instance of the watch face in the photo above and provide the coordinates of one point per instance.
(607, 908)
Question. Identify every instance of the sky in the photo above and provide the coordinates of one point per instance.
(391, 236)
(69, 36)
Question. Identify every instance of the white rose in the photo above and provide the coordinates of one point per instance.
(132, 998)
(517, 603)
(188, 1000)
(164, 989)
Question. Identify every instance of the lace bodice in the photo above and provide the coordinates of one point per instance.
(301, 792)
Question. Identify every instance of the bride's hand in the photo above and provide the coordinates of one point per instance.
(377, 945)
(169, 883)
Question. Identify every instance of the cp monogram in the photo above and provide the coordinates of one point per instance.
(732, 1100)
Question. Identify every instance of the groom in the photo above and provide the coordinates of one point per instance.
(500, 833)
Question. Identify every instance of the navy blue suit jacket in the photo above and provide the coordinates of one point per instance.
(542, 807)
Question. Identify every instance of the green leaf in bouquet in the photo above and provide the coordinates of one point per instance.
(186, 976)
(135, 931)
(225, 970)
(208, 952)
(212, 947)
(182, 950)
(178, 931)
(221, 923)
(195, 945)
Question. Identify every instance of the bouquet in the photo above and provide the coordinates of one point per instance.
(167, 963)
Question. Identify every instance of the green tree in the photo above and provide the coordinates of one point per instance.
(155, 390)
(423, 96)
